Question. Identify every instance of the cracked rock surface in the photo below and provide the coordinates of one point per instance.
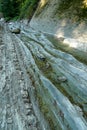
(41, 87)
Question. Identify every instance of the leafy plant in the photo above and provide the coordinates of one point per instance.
(28, 8)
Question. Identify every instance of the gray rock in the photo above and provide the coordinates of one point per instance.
(24, 94)
(47, 65)
(28, 112)
(61, 79)
(41, 57)
(9, 120)
(32, 120)
(15, 30)
(28, 106)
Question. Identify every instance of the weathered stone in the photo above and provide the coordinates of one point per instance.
(28, 112)
(56, 96)
(31, 120)
(61, 79)
(25, 94)
(15, 30)
(41, 57)
(79, 110)
(47, 65)
(28, 106)
(9, 120)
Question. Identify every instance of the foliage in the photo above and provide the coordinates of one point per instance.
(28, 8)
(16, 8)
(73, 9)
(10, 8)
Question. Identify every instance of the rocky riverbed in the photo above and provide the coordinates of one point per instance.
(42, 87)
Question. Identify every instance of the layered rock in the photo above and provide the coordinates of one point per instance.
(41, 87)
(50, 19)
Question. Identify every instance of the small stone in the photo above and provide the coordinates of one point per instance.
(41, 57)
(28, 112)
(62, 79)
(32, 120)
(79, 110)
(25, 94)
(27, 106)
(9, 121)
(8, 106)
(16, 30)
(47, 65)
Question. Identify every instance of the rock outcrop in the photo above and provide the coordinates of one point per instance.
(41, 87)
(14, 27)
(43, 81)
(48, 19)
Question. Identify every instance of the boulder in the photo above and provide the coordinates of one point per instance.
(14, 28)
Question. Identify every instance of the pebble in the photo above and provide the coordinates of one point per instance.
(25, 94)
(27, 106)
(47, 65)
(28, 112)
(32, 120)
(9, 121)
(41, 57)
(62, 79)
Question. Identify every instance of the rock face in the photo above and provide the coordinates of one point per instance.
(18, 110)
(47, 18)
(41, 87)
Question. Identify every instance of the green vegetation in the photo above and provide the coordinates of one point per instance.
(18, 8)
(46, 112)
(10, 8)
(28, 7)
(75, 10)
